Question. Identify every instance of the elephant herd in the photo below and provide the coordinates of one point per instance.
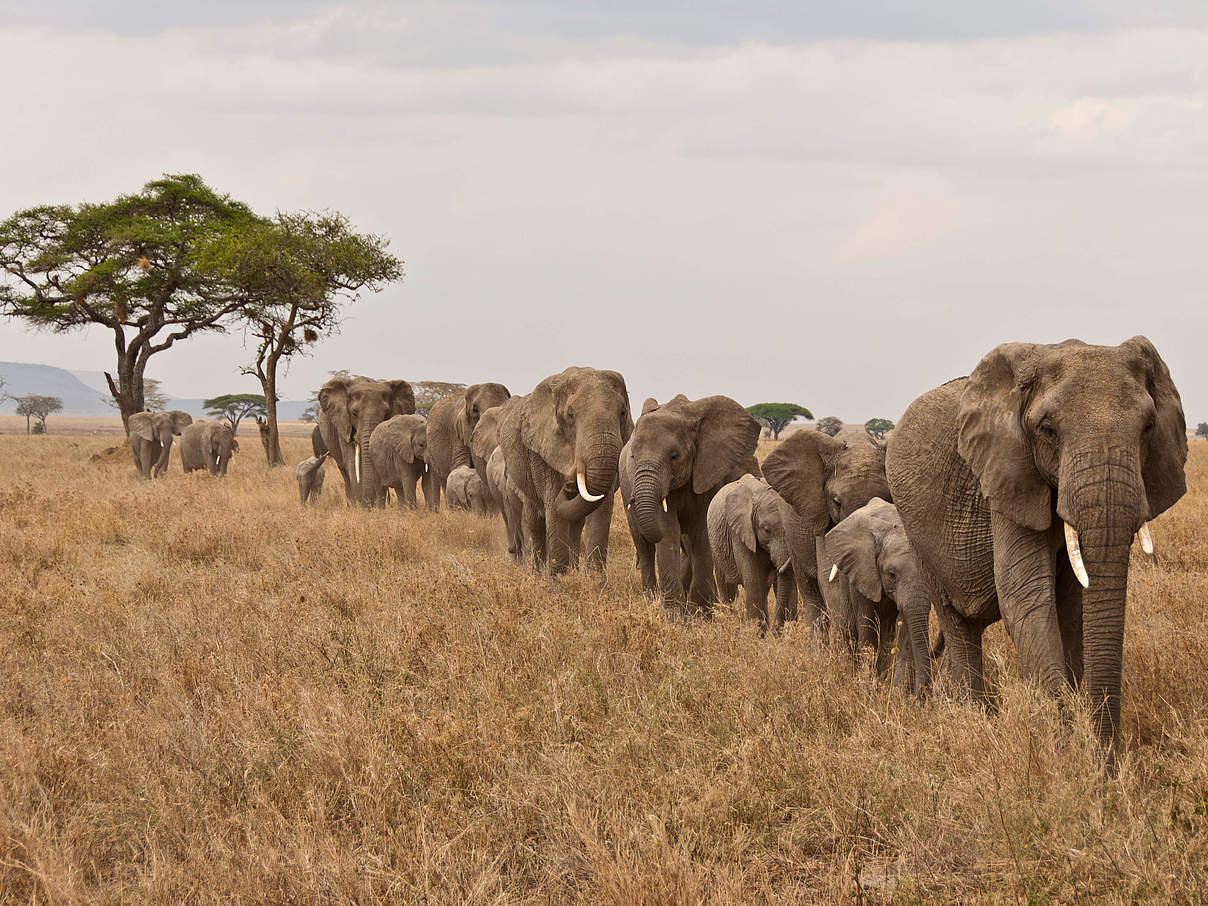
(204, 444)
(1014, 493)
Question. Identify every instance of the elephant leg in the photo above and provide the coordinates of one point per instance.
(557, 540)
(812, 603)
(1069, 617)
(961, 640)
(754, 573)
(701, 590)
(1025, 580)
(727, 591)
(432, 489)
(161, 465)
(598, 524)
(884, 618)
(574, 541)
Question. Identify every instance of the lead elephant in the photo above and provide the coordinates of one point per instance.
(151, 436)
(207, 444)
(467, 492)
(749, 536)
(825, 479)
(349, 409)
(561, 444)
(870, 547)
(451, 426)
(680, 454)
(398, 449)
(1022, 487)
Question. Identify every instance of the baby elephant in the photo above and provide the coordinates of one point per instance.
(871, 548)
(465, 491)
(208, 444)
(398, 454)
(310, 479)
(748, 531)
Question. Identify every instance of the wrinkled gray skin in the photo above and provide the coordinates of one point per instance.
(987, 471)
(451, 425)
(680, 454)
(748, 533)
(870, 547)
(317, 444)
(511, 504)
(484, 440)
(310, 479)
(826, 479)
(349, 409)
(207, 444)
(151, 436)
(398, 448)
(572, 424)
(466, 491)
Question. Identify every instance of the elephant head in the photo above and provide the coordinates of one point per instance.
(825, 479)
(476, 401)
(158, 427)
(1094, 435)
(355, 406)
(577, 422)
(223, 445)
(692, 444)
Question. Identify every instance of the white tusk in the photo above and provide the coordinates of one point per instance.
(1146, 538)
(664, 504)
(787, 564)
(356, 463)
(1075, 555)
(425, 467)
(834, 572)
(590, 498)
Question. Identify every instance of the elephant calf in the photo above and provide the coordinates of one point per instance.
(398, 452)
(465, 491)
(749, 534)
(870, 547)
(310, 479)
(207, 444)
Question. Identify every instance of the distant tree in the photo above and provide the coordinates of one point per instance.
(39, 407)
(877, 428)
(130, 265)
(310, 414)
(831, 425)
(234, 407)
(293, 274)
(1201, 431)
(428, 392)
(154, 398)
(778, 415)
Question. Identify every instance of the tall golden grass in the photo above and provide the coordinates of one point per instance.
(208, 694)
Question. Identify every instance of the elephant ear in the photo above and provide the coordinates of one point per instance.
(180, 421)
(726, 435)
(418, 432)
(142, 427)
(650, 404)
(798, 469)
(740, 514)
(852, 546)
(540, 427)
(1163, 471)
(461, 423)
(333, 400)
(402, 398)
(618, 382)
(991, 440)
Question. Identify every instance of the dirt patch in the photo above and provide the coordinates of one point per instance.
(120, 453)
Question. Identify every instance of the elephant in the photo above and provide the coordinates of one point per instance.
(451, 426)
(398, 449)
(870, 547)
(310, 478)
(151, 439)
(466, 491)
(1022, 487)
(510, 502)
(561, 445)
(824, 480)
(680, 454)
(317, 444)
(350, 407)
(207, 444)
(748, 525)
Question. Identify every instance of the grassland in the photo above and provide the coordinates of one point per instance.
(207, 694)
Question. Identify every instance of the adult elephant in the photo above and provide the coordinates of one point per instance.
(825, 479)
(748, 526)
(451, 426)
(151, 436)
(349, 409)
(871, 548)
(679, 456)
(398, 449)
(1022, 487)
(207, 444)
(561, 444)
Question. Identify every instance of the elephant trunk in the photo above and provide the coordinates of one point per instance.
(598, 459)
(368, 486)
(786, 586)
(648, 502)
(914, 611)
(1104, 501)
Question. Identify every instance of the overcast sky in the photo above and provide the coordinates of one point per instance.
(837, 204)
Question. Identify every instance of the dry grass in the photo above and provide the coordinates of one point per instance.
(207, 694)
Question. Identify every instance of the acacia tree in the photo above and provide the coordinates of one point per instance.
(234, 407)
(778, 415)
(830, 424)
(39, 407)
(129, 265)
(292, 274)
(1200, 431)
(428, 392)
(877, 428)
(154, 398)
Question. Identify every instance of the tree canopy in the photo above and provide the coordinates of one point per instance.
(428, 392)
(830, 424)
(878, 427)
(1202, 430)
(131, 265)
(234, 407)
(778, 415)
(39, 407)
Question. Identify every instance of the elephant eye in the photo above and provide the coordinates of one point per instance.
(837, 502)
(1046, 428)
(674, 455)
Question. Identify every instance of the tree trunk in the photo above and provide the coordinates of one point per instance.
(127, 391)
(269, 385)
(27, 423)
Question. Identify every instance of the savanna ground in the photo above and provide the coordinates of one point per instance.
(207, 694)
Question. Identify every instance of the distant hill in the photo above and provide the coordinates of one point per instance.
(23, 379)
